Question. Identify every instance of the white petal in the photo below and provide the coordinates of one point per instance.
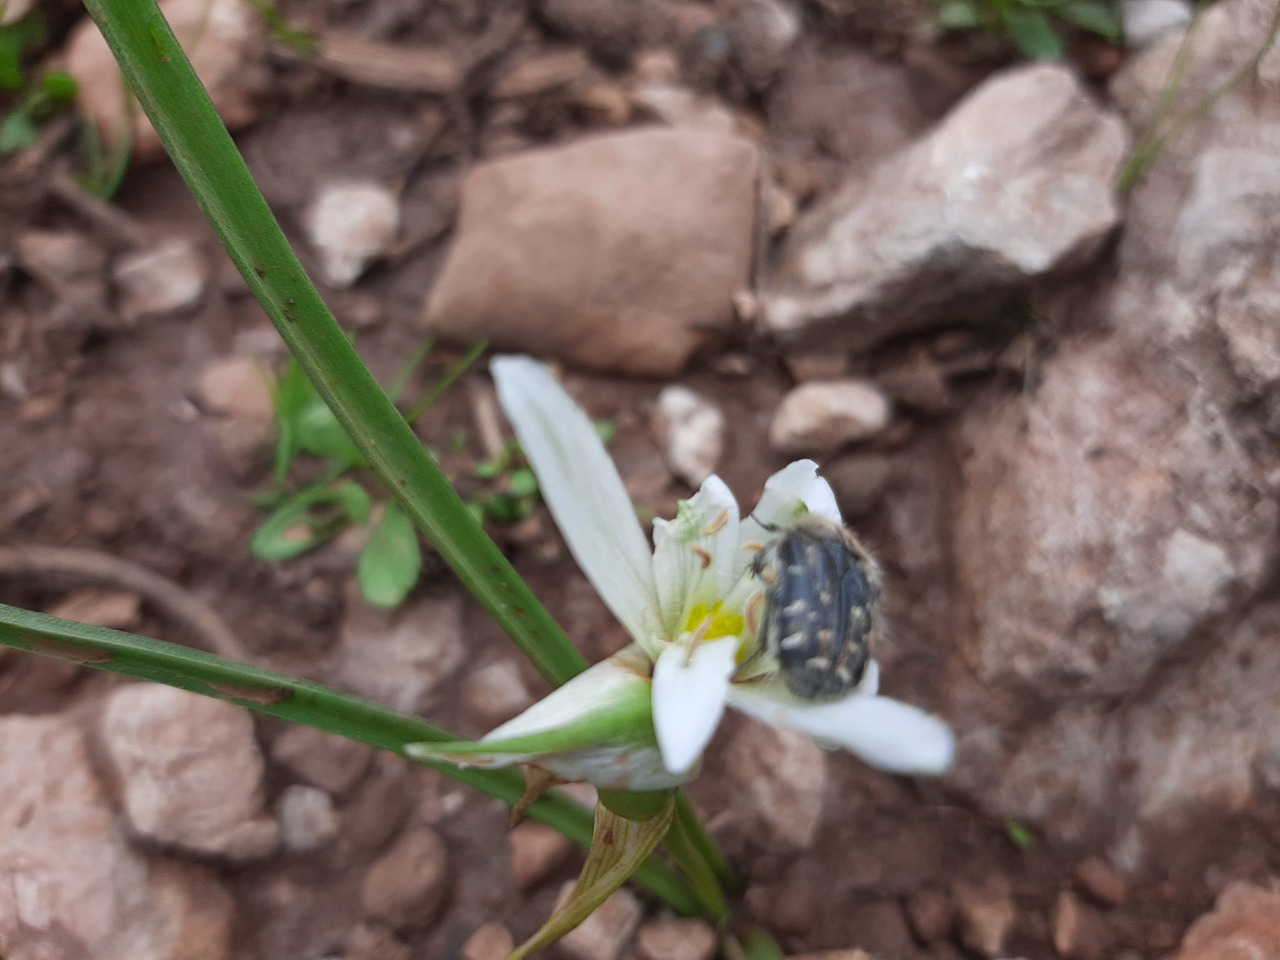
(885, 733)
(693, 555)
(582, 489)
(596, 690)
(689, 698)
(869, 685)
(793, 490)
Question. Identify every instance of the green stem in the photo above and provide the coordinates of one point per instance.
(202, 150)
(704, 845)
(304, 702)
(684, 851)
(450, 377)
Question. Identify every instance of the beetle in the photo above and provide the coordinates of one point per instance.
(822, 595)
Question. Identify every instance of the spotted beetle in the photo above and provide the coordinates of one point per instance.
(822, 592)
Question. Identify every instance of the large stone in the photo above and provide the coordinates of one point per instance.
(1115, 527)
(618, 252)
(1100, 526)
(781, 779)
(71, 887)
(1245, 923)
(225, 42)
(190, 771)
(1015, 183)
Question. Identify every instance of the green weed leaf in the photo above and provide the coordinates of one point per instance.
(17, 132)
(290, 395)
(1099, 18)
(319, 432)
(1019, 835)
(355, 501)
(391, 561)
(524, 483)
(958, 15)
(1034, 35)
(308, 519)
(59, 87)
(758, 945)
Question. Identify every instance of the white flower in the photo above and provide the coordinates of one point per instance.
(691, 603)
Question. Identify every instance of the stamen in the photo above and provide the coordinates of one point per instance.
(717, 524)
(703, 556)
(698, 636)
(753, 613)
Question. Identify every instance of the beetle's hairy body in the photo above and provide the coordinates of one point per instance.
(822, 598)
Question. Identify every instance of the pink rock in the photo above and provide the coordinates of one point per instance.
(190, 771)
(618, 252)
(70, 884)
(406, 886)
(1245, 923)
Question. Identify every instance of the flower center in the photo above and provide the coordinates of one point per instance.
(714, 622)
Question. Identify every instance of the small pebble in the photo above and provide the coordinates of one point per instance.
(693, 429)
(823, 416)
(349, 224)
(307, 818)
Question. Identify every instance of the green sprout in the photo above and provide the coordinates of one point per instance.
(1019, 835)
(36, 101)
(1036, 27)
(309, 515)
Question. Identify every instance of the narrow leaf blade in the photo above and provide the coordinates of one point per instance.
(298, 701)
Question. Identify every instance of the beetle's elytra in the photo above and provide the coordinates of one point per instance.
(822, 596)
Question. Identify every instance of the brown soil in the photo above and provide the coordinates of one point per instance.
(106, 450)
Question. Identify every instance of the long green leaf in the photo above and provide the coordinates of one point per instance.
(179, 108)
(299, 701)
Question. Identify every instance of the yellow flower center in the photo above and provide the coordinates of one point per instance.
(714, 622)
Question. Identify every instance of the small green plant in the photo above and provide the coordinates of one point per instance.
(1019, 835)
(282, 31)
(305, 515)
(34, 100)
(1036, 27)
(503, 490)
(509, 491)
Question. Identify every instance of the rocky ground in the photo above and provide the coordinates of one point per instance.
(747, 232)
